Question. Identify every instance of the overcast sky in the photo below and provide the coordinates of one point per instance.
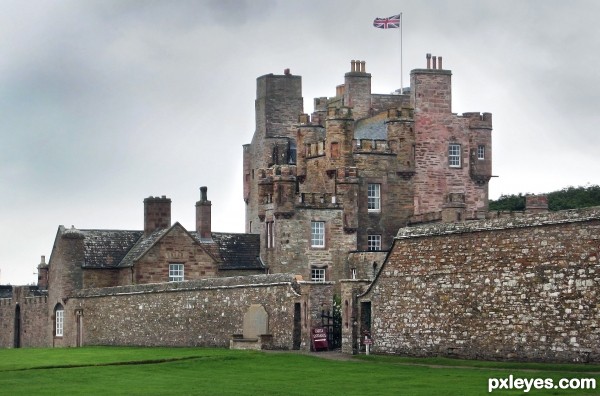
(104, 103)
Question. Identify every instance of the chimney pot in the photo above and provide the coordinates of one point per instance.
(440, 63)
(428, 61)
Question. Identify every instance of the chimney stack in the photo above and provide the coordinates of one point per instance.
(203, 215)
(157, 214)
(536, 203)
(42, 274)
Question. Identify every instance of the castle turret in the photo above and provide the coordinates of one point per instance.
(278, 104)
(340, 135)
(357, 89)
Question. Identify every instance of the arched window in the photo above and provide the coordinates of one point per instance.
(59, 320)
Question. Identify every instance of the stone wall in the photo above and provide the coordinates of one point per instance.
(520, 288)
(26, 312)
(193, 313)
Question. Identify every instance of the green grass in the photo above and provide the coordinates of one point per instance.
(165, 371)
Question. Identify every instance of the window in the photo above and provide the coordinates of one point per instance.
(374, 242)
(270, 235)
(317, 274)
(317, 234)
(374, 197)
(59, 320)
(335, 150)
(481, 152)
(175, 272)
(454, 155)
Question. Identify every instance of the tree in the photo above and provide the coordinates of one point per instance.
(567, 198)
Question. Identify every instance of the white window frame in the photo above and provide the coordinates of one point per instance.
(374, 197)
(454, 155)
(317, 234)
(373, 242)
(481, 152)
(176, 272)
(59, 316)
(318, 274)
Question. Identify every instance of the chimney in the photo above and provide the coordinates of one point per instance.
(203, 214)
(536, 203)
(43, 274)
(157, 214)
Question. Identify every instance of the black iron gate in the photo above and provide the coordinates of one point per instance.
(332, 322)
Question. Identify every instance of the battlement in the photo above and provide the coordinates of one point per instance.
(402, 114)
(317, 201)
(371, 146)
(339, 113)
(276, 172)
(36, 300)
(313, 150)
(479, 120)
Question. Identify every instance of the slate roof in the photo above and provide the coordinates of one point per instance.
(142, 244)
(6, 291)
(238, 251)
(371, 128)
(107, 248)
(120, 248)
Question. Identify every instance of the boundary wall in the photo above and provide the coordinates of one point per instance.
(511, 289)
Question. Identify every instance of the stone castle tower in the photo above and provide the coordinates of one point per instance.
(328, 192)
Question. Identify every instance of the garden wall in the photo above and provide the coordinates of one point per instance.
(522, 288)
(192, 313)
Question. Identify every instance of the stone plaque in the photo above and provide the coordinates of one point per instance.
(256, 321)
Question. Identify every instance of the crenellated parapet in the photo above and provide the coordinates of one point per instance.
(404, 114)
(318, 201)
(36, 300)
(478, 120)
(347, 175)
(314, 150)
(339, 113)
(371, 146)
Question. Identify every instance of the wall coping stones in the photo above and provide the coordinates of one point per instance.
(233, 282)
(532, 220)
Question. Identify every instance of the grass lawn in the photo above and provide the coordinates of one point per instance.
(165, 371)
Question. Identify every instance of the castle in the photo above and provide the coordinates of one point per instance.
(322, 189)
(380, 200)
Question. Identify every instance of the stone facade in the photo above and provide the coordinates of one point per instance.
(519, 288)
(364, 164)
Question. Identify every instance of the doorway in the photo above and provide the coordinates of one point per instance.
(297, 337)
(17, 339)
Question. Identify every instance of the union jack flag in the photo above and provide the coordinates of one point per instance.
(387, 23)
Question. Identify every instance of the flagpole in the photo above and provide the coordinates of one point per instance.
(401, 73)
